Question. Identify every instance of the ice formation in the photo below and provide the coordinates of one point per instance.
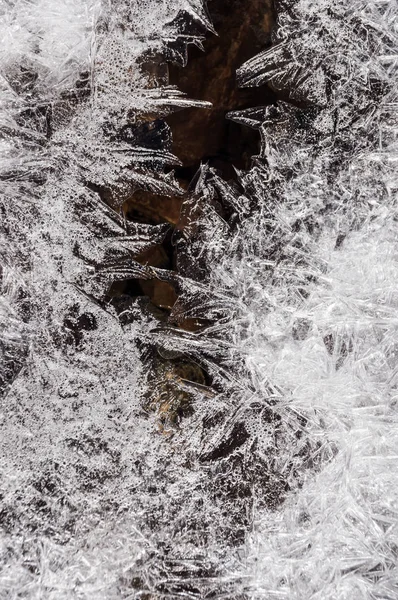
(276, 476)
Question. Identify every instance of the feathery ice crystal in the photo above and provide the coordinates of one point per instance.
(280, 479)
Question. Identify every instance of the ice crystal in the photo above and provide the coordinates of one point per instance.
(125, 472)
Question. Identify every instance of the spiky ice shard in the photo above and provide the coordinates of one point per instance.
(280, 480)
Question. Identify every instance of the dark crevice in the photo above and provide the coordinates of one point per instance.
(206, 136)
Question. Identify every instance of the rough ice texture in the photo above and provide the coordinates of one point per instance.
(280, 482)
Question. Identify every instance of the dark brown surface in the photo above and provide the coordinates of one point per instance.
(244, 28)
(145, 207)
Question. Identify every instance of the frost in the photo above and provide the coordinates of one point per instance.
(307, 280)
(301, 280)
(74, 104)
(273, 475)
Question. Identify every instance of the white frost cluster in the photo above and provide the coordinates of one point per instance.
(309, 284)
